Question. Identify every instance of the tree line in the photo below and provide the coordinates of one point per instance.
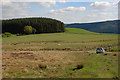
(39, 25)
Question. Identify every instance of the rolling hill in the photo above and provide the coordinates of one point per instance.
(71, 35)
(100, 27)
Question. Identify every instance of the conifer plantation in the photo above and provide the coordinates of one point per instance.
(39, 25)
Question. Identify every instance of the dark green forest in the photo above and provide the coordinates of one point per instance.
(39, 25)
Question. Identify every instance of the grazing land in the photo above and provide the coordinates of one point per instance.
(60, 55)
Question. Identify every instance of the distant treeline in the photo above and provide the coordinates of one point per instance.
(42, 25)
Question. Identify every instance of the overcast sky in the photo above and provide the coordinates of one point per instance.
(64, 10)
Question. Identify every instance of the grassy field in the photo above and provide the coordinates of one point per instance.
(49, 55)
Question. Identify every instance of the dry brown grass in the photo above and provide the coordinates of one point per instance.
(20, 59)
(51, 75)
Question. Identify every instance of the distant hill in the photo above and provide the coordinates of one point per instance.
(100, 27)
(79, 31)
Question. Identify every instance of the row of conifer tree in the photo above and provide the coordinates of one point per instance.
(39, 25)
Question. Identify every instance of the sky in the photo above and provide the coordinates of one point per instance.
(63, 10)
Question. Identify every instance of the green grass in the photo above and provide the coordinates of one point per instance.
(61, 53)
(69, 36)
(73, 38)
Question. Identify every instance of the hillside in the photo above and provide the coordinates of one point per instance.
(100, 27)
(71, 35)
